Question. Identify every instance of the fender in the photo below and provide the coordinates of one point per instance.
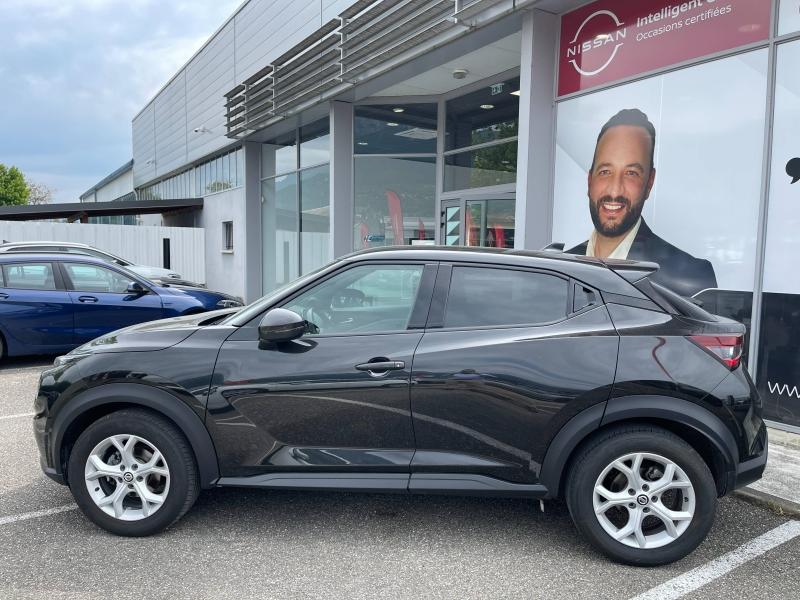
(680, 411)
(147, 397)
(628, 408)
(565, 441)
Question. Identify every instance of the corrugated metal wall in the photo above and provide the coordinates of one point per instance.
(139, 244)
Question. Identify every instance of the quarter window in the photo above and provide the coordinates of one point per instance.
(365, 299)
(92, 278)
(30, 276)
(502, 297)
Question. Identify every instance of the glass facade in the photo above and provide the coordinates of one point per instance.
(295, 204)
(695, 209)
(394, 175)
(222, 173)
(789, 16)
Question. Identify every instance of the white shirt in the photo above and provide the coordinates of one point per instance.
(621, 251)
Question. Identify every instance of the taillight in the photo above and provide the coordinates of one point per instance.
(727, 348)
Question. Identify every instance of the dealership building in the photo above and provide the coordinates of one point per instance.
(313, 128)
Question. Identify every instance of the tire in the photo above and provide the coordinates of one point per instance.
(170, 483)
(605, 511)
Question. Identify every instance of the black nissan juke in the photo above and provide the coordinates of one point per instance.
(422, 370)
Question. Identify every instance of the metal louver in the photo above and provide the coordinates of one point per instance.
(361, 43)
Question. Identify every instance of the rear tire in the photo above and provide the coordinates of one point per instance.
(641, 495)
(133, 473)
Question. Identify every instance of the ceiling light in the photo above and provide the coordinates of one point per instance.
(515, 93)
(487, 106)
(390, 124)
(362, 143)
(398, 109)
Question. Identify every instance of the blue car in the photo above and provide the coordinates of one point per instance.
(51, 303)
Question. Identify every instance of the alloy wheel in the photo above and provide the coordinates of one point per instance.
(127, 477)
(644, 500)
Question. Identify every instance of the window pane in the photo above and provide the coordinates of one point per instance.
(30, 276)
(225, 177)
(778, 365)
(495, 297)
(315, 218)
(91, 278)
(315, 142)
(239, 167)
(280, 155)
(395, 129)
(395, 201)
(279, 222)
(490, 113)
(490, 223)
(367, 299)
(789, 17)
(494, 165)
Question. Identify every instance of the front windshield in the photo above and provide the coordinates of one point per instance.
(105, 256)
(252, 310)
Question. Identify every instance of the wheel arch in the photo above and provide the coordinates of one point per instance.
(696, 425)
(99, 401)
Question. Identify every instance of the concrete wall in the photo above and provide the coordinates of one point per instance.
(261, 30)
(225, 270)
(138, 244)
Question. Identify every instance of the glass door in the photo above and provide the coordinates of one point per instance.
(478, 221)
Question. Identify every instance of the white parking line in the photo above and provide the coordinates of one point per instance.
(36, 514)
(696, 578)
(17, 416)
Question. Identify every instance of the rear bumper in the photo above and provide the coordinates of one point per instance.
(751, 470)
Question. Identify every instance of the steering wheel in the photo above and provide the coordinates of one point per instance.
(318, 314)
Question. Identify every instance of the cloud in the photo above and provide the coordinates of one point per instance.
(76, 72)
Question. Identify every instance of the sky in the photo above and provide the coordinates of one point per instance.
(74, 73)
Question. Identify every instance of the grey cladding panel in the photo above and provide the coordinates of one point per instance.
(170, 125)
(144, 147)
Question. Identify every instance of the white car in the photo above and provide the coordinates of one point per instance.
(158, 273)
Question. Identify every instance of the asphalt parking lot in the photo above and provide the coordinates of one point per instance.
(254, 544)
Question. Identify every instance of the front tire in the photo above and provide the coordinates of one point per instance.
(641, 495)
(133, 473)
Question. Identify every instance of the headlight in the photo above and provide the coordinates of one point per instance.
(228, 304)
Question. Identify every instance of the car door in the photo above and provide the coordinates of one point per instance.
(336, 399)
(509, 355)
(36, 313)
(102, 302)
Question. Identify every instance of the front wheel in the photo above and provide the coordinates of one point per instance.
(133, 473)
(641, 495)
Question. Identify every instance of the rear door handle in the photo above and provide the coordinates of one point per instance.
(381, 367)
(87, 299)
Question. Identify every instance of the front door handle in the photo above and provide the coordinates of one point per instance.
(3, 296)
(382, 367)
(87, 299)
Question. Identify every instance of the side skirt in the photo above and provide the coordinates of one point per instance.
(415, 483)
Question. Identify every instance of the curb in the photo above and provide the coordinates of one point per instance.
(776, 504)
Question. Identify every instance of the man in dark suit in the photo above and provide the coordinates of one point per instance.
(619, 182)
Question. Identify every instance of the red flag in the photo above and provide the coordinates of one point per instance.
(499, 237)
(396, 216)
(422, 234)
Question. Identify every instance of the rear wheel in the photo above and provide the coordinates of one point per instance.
(642, 495)
(133, 473)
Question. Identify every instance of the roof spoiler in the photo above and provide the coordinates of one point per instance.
(554, 247)
(631, 270)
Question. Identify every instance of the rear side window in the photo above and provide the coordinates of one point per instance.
(29, 276)
(481, 297)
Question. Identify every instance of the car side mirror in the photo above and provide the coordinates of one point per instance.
(134, 287)
(281, 325)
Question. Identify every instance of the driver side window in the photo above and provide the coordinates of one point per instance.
(364, 299)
